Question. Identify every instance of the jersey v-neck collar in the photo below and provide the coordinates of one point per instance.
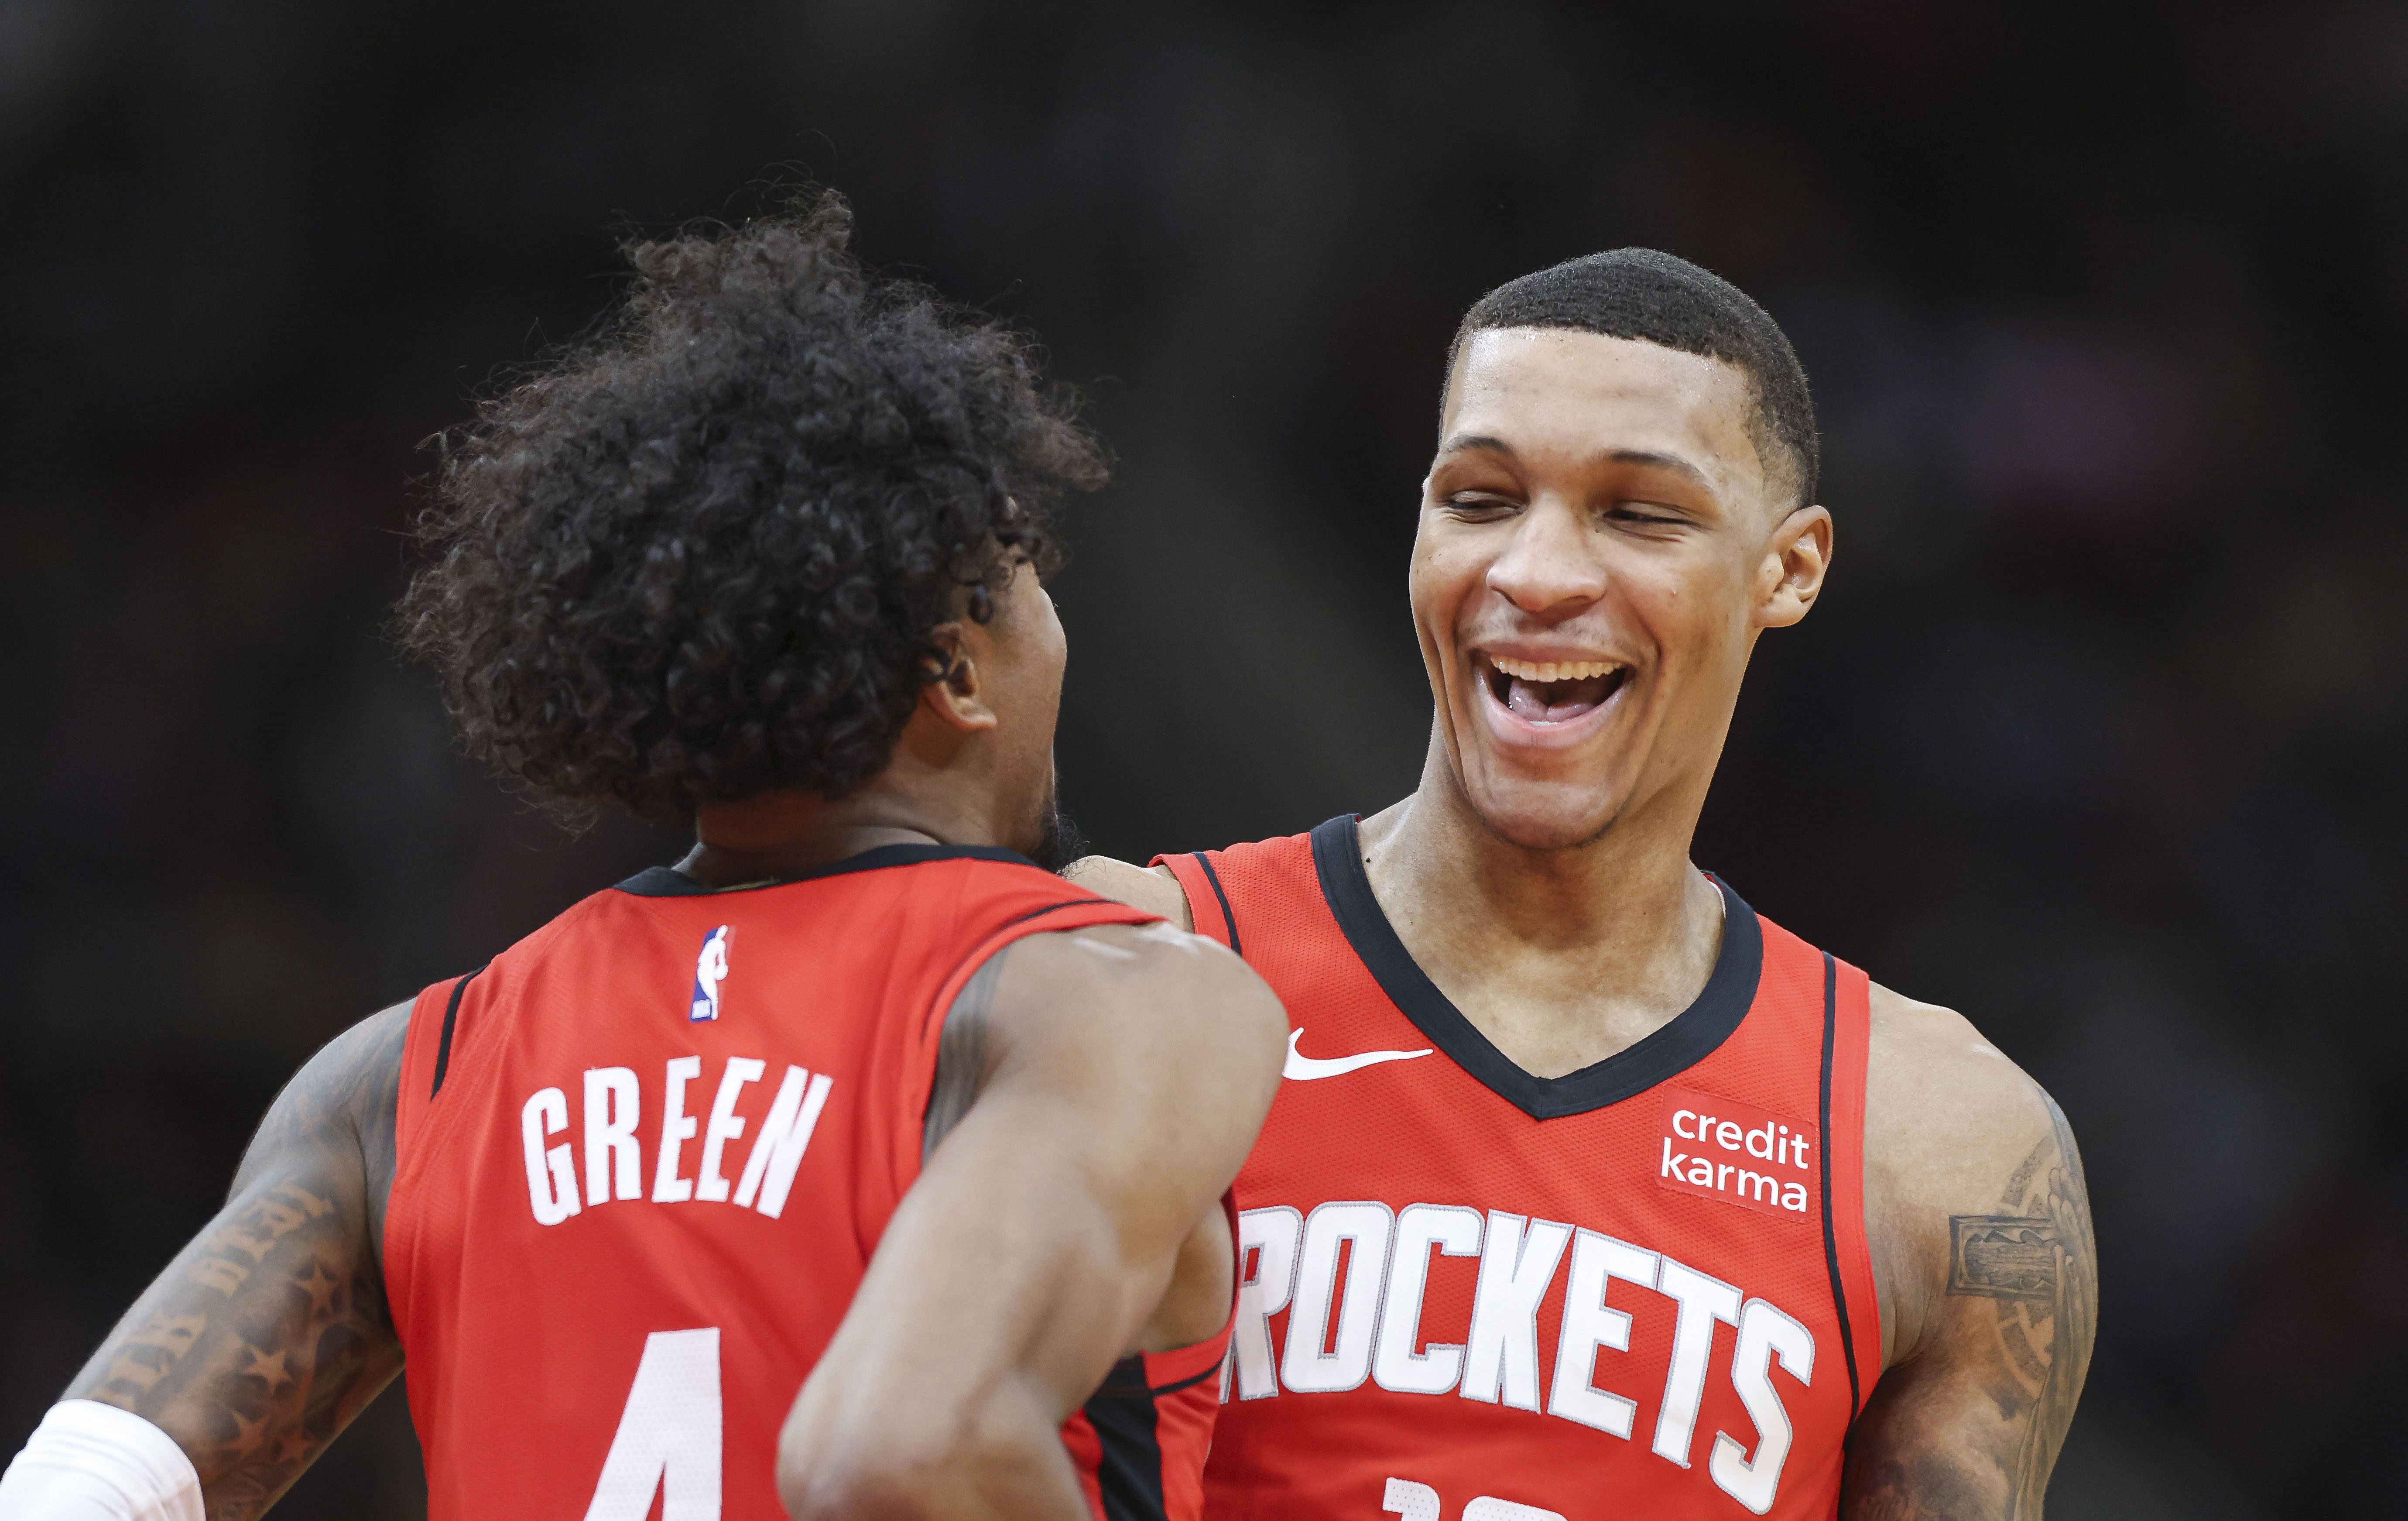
(668, 882)
(1689, 1038)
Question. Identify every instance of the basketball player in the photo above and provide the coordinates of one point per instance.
(1590, 1193)
(855, 1091)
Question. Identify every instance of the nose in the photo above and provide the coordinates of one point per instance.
(1550, 568)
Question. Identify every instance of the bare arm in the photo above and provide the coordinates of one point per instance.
(269, 1332)
(1125, 1071)
(1982, 1238)
(1152, 888)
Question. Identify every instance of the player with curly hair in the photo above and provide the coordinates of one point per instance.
(855, 1100)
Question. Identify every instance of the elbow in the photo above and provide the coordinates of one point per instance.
(829, 1469)
(898, 1474)
(859, 1489)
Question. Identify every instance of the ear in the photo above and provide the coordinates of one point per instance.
(1795, 559)
(957, 699)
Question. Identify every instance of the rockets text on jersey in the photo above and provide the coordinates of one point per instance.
(1639, 1289)
(643, 1158)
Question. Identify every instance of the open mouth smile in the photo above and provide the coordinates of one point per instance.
(1548, 695)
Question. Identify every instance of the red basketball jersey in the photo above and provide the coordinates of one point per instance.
(1640, 1289)
(644, 1157)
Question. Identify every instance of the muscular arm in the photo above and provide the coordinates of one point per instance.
(1124, 1073)
(269, 1332)
(1981, 1227)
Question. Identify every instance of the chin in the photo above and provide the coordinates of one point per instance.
(1544, 816)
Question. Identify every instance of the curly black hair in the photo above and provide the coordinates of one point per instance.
(700, 556)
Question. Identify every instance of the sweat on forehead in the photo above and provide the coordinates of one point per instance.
(1655, 297)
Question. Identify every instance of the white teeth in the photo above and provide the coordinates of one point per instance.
(1550, 670)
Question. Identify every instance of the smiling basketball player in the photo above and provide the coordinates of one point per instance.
(1592, 1194)
(853, 1166)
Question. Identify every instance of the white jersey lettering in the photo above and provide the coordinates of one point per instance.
(1269, 1239)
(677, 1129)
(1500, 1360)
(669, 1443)
(785, 1135)
(551, 1177)
(1400, 1364)
(1703, 1301)
(613, 1152)
(614, 1159)
(1354, 1280)
(1764, 1331)
(724, 1127)
(1589, 1323)
(1307, 1368)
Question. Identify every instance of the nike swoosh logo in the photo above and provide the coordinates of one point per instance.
(1305, 1068)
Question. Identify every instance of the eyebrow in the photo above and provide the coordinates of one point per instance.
(1650, 460)
(1646, 458)
(1475, 441)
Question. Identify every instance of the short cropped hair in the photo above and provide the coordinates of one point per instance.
(701, 556)
(1658, 298)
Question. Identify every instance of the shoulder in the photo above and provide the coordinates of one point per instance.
(1172, 967)
(339, 1112)
(1932, 1070)
(353, 1076)
(1127, 1006)
(1953, 1129)
(1150, 888)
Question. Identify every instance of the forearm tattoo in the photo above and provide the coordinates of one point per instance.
(270, 1332)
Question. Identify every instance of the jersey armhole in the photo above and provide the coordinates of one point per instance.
(1851, 1049)
(422, 1047)
(919, 1076)
(1181, 1367)
(1207, 905)
(419, 1050)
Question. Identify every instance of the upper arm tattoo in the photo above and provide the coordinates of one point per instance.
(2035, 1260)
(965, 1053)
(270, 1331)
(2038, 1260)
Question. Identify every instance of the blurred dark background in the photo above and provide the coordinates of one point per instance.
(2096, 734)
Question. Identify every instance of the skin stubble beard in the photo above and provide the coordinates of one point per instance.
(1059, 839)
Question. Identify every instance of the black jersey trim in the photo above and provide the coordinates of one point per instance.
(1129, 1468)
(1830, 1233)
(668, 882)
(1228, 917)
(1188, 1382)
(450, 1017)
(1689, 1038)
(1055, 908)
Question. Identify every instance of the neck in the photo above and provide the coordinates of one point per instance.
(1561, 957)
(786, 833)
(936, 790)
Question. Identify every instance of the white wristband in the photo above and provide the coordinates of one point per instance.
(88, 1461)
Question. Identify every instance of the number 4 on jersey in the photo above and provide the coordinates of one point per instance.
(668, 1437)
(1419, 1502)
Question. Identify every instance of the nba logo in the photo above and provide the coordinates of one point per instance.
(708, 969)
